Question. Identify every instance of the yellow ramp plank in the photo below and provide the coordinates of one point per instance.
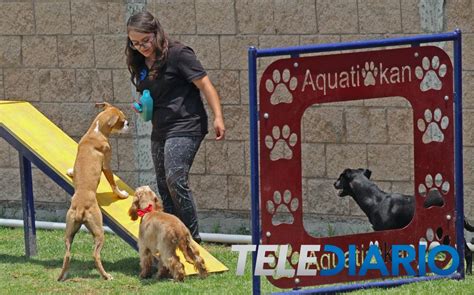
(56, 149)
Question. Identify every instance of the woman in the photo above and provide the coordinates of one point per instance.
(174, 77)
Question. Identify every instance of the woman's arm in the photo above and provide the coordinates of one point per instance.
(204, 84)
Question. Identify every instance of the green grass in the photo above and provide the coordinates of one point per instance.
(37, 275)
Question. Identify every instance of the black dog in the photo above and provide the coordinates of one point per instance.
(467, 251)
(388, 210)
(384, 210)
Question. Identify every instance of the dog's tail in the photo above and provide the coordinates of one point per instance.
(191, 254)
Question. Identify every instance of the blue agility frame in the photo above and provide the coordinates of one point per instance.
(295, 51)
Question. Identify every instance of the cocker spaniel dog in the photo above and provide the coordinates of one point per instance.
(160, 234)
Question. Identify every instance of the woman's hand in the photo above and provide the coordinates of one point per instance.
(219, 128)
(210, 93)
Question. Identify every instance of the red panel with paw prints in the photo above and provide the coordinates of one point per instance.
(424, 77)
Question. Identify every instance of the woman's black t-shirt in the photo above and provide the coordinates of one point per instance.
(177, 103)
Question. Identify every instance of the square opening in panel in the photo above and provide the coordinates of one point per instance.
(373, 135)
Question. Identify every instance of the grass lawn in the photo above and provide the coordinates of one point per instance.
(19, 275)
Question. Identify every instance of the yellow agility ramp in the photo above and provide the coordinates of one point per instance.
(28, 130)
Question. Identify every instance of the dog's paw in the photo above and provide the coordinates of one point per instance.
(70, 172)
(163, 273)
(121, 194)
(179, 276)
(145, 274)
(107, 277)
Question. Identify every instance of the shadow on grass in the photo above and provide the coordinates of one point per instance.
(85, 269)
(127, 266)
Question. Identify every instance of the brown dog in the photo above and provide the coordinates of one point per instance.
(162, 233)
(93, 157)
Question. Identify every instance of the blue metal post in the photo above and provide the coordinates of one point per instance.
(28, 206)
(255, 212)
(292, 50)
(458, 159)
(338, 289)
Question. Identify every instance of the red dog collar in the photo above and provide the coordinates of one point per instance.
(148, 209)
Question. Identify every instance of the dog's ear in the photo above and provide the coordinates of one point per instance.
(157, 200)
(367, 173)
(346, 174)
(112, 121)
(132, 212)
(158, 204)
(102, 105)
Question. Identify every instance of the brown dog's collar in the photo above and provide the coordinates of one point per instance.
(148, 209)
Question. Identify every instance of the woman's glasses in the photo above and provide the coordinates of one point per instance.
(145, 44)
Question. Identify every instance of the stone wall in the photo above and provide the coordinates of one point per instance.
(64, 55)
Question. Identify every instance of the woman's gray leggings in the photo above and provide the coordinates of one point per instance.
(173, 158)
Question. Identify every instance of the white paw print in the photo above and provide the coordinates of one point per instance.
(433, 237)
(432, 125)
(278, 206)
(276, 254)
(291, 260)
(279, 87)
(433, 191)
(429, 244)
(369, 72)
(280, 143)
(429, 73)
